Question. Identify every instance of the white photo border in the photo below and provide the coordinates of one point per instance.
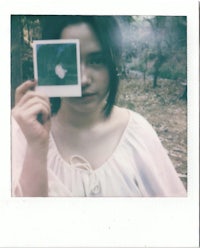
(101, 222)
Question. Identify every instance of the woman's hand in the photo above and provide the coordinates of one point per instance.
(32, 112)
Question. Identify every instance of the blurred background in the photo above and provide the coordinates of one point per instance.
(153, 73)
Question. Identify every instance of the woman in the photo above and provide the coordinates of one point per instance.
(86, 146)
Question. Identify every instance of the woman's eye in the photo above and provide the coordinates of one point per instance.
(99, 61)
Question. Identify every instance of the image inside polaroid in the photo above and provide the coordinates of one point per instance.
(57, 67)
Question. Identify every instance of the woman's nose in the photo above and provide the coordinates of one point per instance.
(85, 75)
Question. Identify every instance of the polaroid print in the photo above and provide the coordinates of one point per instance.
(148, 222)
(57, 67)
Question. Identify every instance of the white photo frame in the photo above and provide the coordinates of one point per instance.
(57, 67)
(101, 222)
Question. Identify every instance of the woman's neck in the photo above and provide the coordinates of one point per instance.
(68, 116)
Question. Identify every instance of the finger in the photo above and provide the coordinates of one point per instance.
(22, 108)
(31, 99)
(35, 102)
(32, 95)
(23, 88)
(31, 113)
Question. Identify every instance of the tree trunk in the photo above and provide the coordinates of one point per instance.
(144, 76)
(158, 63)
(184, 95)
(155, 78)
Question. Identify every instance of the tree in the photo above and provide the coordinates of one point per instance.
(168, 47)
(16, 62)
(158, 53)
(23, 30)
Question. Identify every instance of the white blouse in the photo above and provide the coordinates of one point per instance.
(139, 166)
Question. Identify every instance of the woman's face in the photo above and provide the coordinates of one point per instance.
(94, 70)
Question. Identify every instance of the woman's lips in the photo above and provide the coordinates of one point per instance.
(88, 95)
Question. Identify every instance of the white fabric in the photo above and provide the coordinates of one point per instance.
(139, 166)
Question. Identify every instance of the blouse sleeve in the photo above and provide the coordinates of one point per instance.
(158, 173)
(18, 150)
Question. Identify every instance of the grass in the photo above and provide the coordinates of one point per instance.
(165, 110)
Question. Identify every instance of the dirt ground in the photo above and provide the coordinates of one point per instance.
(165, 110)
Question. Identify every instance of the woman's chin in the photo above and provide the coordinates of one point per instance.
(84, 105)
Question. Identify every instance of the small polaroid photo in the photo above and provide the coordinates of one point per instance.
(57, 67)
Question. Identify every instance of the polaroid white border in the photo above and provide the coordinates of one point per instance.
(101, 222)
(59, 90)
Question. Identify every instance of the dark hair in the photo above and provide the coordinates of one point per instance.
(108, 33)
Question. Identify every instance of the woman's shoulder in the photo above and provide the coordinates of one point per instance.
(140, 135)
(133, 119)
(137, 127)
